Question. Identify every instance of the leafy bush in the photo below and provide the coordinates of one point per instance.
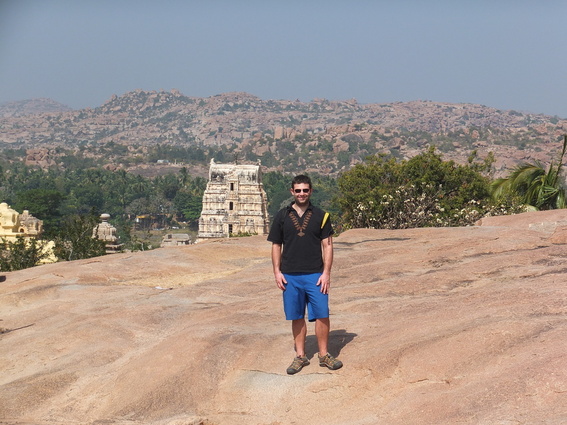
(75, 240)
(424, 191)
(21, 254)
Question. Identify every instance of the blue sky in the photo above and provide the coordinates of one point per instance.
(508, 54)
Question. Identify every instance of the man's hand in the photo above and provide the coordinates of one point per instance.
(324, 282)
(280, 280)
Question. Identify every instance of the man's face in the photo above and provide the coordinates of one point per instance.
(301, 193)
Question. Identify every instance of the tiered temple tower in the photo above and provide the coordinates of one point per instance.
(234, 202)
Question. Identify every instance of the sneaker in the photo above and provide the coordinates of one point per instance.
(330, 362)
(297, 365)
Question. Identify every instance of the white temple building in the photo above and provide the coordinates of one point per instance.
(234, 202)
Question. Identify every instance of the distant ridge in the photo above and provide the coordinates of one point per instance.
(325, 136)
(22, 108)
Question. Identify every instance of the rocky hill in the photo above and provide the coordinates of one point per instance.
(31, 107)
(322, 135)
(435, 326)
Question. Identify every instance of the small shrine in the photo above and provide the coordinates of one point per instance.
(106, 232)
(175, 239)
(234, 202)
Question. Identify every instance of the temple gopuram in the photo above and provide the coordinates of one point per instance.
(234, 202)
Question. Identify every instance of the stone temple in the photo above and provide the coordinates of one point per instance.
(106, 232)
(234, 202)
(13, 224)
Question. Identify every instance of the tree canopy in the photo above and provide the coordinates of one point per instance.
(423, 191)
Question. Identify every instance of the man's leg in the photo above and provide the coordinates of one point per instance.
(299, 330)
(322, 327)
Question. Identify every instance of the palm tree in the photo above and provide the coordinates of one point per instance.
(535, 187)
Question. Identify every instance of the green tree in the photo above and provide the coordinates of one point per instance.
(22, 253)
(363, 186)
(276, 186)
(456, 184)
(422, 191)
(533, 185)
(88, 196)
(167, 185)
(324, 191)
(43, 204)
(184, 176)
(189, 205)
(75, 240)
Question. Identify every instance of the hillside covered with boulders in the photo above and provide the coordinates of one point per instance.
(141, 128)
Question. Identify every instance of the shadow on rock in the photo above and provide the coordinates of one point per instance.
(338, 339)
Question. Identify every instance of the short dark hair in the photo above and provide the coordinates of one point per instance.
(302, 178)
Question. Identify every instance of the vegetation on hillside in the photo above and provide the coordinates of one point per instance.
(315, 152)
(382, 192)
(320, 136)
(70, 201)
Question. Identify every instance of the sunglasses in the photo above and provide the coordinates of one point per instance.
(300, 190)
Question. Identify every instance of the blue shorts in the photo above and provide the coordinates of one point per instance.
(302, 291)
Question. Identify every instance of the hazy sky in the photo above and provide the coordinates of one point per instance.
(509, 54)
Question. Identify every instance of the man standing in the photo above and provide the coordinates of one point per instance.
(302, 256)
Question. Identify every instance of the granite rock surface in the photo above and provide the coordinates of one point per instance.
(434, 326)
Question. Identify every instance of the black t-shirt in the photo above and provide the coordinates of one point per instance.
(301, 239)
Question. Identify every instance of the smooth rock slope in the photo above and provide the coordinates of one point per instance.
(434, 326)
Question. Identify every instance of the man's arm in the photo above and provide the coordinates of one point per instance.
(325, 279)
(276, 262)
